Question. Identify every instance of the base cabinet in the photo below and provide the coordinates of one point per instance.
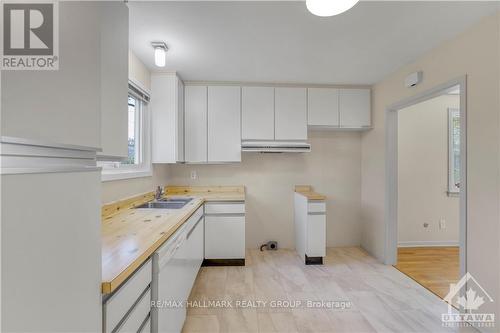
(224, 230)
(225, 237)
(129, 306)
(310, 229)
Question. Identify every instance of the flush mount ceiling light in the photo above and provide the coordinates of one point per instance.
(329, 7)
(160, 53)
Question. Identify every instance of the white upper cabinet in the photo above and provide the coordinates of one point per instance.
(114, 79)
(224, 124)
(195, 124)
(167, 114)
(355, 108)
(290, 114)
(61, 106)
(323, 107)
(257, 112)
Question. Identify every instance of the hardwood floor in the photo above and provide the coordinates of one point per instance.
(433, 267)
(371, 297)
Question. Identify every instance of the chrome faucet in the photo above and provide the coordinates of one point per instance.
(159, 193)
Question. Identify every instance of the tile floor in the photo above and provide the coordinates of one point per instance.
(367, 296)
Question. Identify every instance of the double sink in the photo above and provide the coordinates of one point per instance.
(164, 203)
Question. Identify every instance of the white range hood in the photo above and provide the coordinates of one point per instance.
(276, 146)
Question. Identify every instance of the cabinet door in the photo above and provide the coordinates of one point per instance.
(290, 114)
(257, 112)
(323, 107)
(114, 79)
(195, 118)
(167, 116)
(316, 235)
(224, 124)
(180, 122)
(355, 108)
(62, 106)
(224, 237)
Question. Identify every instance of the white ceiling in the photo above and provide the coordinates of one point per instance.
(282, 42)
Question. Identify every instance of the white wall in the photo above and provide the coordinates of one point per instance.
(120, 189)
(332, 168)
(474, 52)
(423, 174)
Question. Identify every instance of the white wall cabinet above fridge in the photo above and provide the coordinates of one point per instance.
(212, 124)
(167, 113)
(339, 108)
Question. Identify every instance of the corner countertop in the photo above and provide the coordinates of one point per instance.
(130, 236)
(307, 191)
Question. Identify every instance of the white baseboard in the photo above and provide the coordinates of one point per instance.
(427, 243)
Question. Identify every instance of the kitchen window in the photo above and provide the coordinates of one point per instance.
(138, 161)
(453, 151)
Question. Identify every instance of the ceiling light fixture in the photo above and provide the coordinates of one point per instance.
(160, 53)
(329, 7)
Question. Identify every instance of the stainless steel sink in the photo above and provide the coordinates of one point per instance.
(186, 200)
(163, 205)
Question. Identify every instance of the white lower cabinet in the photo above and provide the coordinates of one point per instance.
(133, 322)
(128, 307)
(225, 230)
(146, 326)
(310, 229)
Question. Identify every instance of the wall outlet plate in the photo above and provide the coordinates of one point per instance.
(442, 224)
(194, 175)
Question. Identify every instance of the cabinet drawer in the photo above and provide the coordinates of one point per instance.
(134, 320)
(118, 305)
(146, 328)
(224, 237)
(225, 208)
(316, 207)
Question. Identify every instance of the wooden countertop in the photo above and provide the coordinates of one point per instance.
(130, 236)
(307, 191)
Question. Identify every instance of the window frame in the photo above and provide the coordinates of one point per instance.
(115, 170)
(453, 190)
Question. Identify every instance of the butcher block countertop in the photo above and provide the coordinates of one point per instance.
(308, 192)
(130, 236)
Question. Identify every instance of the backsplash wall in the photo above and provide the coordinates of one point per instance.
(333, 168)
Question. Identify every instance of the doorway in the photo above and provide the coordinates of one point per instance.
(426, 186)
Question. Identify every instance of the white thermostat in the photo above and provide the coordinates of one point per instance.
(413, 79)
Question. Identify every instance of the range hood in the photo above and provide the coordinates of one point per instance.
(276, 146)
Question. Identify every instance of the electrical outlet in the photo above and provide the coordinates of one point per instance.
(426, 225)
(442, 224)
(194, 175)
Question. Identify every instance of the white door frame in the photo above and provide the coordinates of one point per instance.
(391, 145)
